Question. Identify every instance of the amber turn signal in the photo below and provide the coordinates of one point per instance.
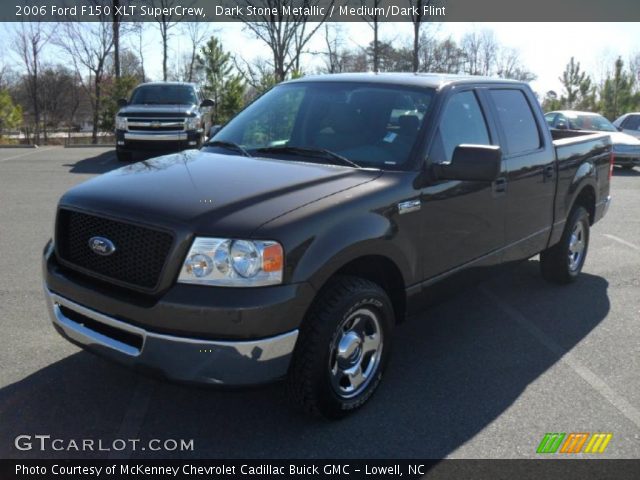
(272, 258)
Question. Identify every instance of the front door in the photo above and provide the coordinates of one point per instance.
(463, 220)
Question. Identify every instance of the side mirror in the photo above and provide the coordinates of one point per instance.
(214, 129)
(561, 126)
(122, 102)
(207, 102)
(620, 129)
(479, 163)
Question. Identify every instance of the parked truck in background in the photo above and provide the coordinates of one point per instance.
(312, 223)
(161, 117)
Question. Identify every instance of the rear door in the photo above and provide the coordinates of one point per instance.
(531, 171)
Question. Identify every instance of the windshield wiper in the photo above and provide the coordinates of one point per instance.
(228, 145)
(311, 152)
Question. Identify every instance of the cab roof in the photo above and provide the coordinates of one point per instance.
(188, 84)
(432, 80)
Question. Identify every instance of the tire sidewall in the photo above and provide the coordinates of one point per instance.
(579, 215)
(329, 400)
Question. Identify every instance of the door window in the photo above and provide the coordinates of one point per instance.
(632, 122)
(462, 122)
(517, 121)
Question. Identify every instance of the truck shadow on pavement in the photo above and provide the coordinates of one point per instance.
(456, 368)
(107, 161)
(101, 163)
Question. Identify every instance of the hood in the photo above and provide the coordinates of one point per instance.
(153, 110)
(211, 194)
(619, 138)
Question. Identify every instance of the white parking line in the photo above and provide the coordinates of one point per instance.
(35, 150)
(623, 242)
(568, 358)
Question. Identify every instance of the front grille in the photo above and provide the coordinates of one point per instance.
(139, 256)
(156, 129)
(158, 124)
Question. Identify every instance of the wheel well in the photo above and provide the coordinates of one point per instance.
(384, 272)
(587, 199)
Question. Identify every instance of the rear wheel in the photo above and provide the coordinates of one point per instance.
(343, 348)
(563, 262)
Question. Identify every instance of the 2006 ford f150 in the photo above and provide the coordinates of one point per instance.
(295, 240)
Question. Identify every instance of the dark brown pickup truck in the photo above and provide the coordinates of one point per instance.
(312, 223)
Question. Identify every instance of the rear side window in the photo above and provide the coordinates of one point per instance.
(517, 121)
(632, 122)
(550, 118)
(462, 122)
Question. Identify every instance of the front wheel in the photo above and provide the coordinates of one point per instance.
(563, 262)
(343, 348)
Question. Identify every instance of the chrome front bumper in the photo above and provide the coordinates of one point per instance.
(160, 137)
(248, 362)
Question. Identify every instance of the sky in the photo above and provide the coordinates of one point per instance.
(545, 48)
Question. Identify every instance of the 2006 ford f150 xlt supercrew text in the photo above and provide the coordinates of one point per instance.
(312, 223)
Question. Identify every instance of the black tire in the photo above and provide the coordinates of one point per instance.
(310, 382)
(123, 156)
(560, 265)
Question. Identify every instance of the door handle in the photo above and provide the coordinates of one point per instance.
(500, 185)
(548, 171)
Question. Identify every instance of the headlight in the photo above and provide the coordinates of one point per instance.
(233, 263)
(192, 123)
(121, 123)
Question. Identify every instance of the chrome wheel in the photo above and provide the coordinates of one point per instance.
(355, 353)
(576, 246)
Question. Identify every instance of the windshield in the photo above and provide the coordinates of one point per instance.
(370, 125)
(591, 122)
(163, 95)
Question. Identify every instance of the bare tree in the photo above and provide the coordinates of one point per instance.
(481, 50)
(443, 56)
(258, 75)
(372, 17)
(166, 22)
(334, 41)
(139, 45)
(197, 32)
(115, 19)
(509, 65)
(29, 41)
(88, 46)
(285, 35)
(417, 18)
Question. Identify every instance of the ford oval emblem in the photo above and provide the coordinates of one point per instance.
(102, 246)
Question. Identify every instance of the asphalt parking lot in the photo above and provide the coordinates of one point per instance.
(485, 373)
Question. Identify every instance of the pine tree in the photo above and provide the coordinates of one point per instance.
(222, 84)
(10, 114)
(579, 91)
(616, 96)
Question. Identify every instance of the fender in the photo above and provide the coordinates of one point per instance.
(352, 238)
(579, 168)
(585, 175)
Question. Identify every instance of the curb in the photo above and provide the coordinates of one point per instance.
(18, 146)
